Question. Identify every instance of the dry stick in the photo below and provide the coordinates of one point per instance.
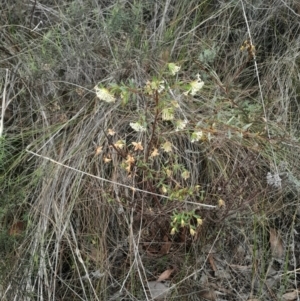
(118, 151)
(113, 182)
(4, 105)
(149, 146)
(32, 12)
(153, 127)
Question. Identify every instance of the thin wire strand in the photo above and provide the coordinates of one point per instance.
(113, 182)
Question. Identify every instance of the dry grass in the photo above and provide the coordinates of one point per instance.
(72, 226)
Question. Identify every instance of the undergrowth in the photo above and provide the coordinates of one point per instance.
(149, 144)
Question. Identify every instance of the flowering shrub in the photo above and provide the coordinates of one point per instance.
(185, 219)
(162, 93)
(164, 98)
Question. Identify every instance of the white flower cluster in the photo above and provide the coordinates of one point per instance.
(274, 179)
(180, 124)
(197, 136)
(137, 127)
(104, 94)
(195, 86)
(174, 69)
(159, 86)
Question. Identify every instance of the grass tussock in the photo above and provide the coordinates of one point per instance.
(149, 148)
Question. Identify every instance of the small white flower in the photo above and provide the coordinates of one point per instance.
(161, 86)
(137, 127)
(195, 86)
(180, 125)
(274, 180)
(104, 94)
(196, 136)
(173, 68)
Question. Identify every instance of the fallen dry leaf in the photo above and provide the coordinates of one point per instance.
(212, 262)
(158, 290)
(221, 203)
(276, 244)
(17, 228)
(291, 296)
(165, 275)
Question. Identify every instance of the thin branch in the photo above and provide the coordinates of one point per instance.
(32, 12)
(113, 182)
(153, 127)
(4, 105)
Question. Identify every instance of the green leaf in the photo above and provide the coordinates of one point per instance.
(245, 127)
